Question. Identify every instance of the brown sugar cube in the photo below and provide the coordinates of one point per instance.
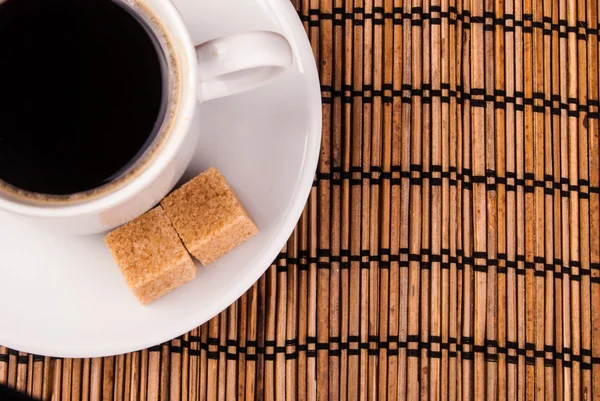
(151, 256)
(208, 216)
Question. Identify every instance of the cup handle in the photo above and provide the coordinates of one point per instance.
(237, 63)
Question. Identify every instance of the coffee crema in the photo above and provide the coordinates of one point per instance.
(83, 94)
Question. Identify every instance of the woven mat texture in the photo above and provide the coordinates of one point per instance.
(450, 248)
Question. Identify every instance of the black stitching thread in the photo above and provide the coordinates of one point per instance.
(419, 174)
(500, 100)
(413, 346)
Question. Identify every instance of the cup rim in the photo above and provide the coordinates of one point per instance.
(172, 24)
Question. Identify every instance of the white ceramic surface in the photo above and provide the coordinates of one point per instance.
(220, 67)
(64, 296)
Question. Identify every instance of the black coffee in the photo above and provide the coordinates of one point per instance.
(81, 90)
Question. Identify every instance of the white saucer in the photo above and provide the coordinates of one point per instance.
(64, 296)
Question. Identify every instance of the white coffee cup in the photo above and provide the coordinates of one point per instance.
(218, 68)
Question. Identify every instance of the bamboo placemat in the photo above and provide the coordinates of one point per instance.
(450, 248)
